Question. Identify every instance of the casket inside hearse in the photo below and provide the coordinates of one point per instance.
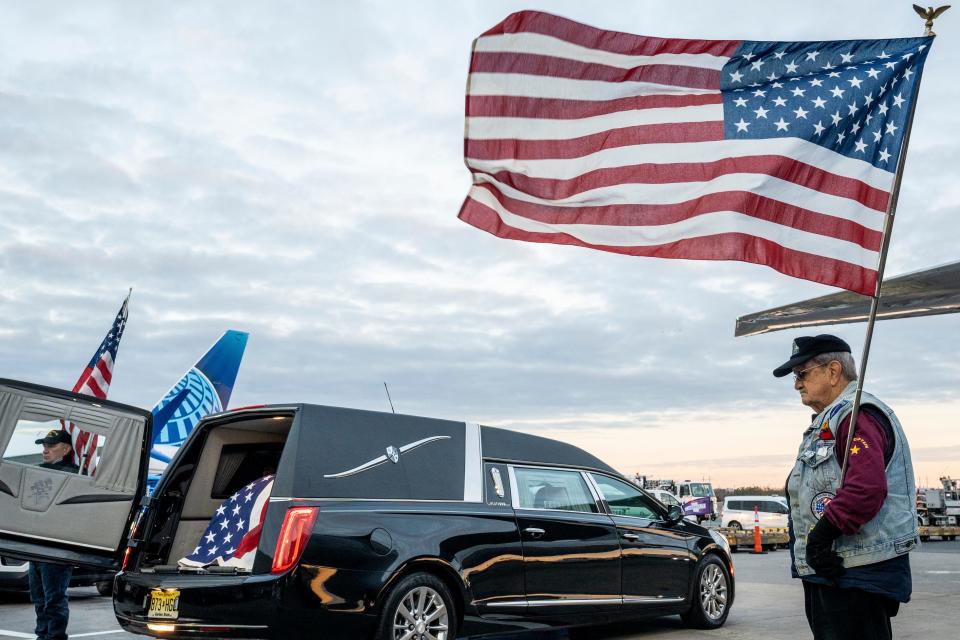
(281, 520)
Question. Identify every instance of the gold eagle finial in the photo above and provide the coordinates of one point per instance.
(929, 14)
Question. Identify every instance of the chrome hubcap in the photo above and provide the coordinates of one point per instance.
(713, 592)
(421, 616)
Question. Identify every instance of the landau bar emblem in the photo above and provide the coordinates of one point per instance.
(392, 454)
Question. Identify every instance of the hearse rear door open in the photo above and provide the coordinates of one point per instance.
(54, 515)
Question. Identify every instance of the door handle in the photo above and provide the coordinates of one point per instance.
(535, 532)
(632, 537)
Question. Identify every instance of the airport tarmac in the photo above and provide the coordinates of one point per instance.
(768, 606)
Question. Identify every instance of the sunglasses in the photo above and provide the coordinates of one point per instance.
(802, 374)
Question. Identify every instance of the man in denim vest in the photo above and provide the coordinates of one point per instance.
(849, 544)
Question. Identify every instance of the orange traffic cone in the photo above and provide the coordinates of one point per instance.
(757, 544)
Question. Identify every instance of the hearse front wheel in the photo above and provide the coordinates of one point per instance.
(419, 607)
(711, 595)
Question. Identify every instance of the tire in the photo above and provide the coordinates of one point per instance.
(710, 595)
(413, 598)
(735, 525)
(105, 588)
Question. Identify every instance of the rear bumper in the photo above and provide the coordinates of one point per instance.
(260, 606)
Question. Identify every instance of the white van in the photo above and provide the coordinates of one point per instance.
(738, 511)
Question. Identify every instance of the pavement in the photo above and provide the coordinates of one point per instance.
(768, 606)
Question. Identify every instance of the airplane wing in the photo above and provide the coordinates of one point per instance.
(921, 293)
(204, 389)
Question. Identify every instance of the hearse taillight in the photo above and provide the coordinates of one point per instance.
(297, 525)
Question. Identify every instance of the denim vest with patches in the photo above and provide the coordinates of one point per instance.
(815, 478)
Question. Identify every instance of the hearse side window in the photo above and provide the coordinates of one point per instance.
(553, 489)
(624, 499)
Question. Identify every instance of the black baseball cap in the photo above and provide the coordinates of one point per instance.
(806, 347)
(54, 436)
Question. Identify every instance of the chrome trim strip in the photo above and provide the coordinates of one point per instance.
(70, 542)
(383, 458)
(558, 602)
(514, 494)
(650, 599)
(472, 464)
(507, 603)
(595, 490)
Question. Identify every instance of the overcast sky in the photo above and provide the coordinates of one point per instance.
(294, 169)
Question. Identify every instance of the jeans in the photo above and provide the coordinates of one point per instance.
(848, 614)
(48, 591)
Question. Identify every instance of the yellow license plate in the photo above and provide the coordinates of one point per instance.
(164, 603)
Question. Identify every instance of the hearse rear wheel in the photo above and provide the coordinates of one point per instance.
(419, 607)
(711, 595)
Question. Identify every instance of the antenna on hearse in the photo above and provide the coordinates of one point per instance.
(388, 397)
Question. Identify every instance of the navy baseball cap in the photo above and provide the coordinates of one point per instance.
(54, 436)
(806, 347)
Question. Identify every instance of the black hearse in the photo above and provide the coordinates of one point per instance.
(378, 525)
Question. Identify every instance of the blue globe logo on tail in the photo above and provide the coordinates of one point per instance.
(179, 412)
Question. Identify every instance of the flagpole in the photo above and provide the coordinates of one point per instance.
(875, 302)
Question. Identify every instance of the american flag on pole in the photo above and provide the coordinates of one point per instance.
(776, 153)
(231, 538)
(95, 381)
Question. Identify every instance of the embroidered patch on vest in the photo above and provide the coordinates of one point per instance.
(825, 433)
(837, 408)
(904, 546)
(819, 503)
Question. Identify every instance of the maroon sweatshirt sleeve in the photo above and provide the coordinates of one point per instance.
(859, 499)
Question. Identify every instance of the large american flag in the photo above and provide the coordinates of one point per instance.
(233, 534)
(776, 153)
(95, 381)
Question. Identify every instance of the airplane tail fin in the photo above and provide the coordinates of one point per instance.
(202, 390)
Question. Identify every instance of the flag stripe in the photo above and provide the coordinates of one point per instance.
(701, 226)
(612, 41)
(94, 388)
(591, 144)
(104, 369)
(774, 189)
(549, 45)
(638, 214)
(675, 174)
(733, 246)
(546, 66)
(82, 379)
(535, 129)
(517, 84)
(570, 164)
(560, 109)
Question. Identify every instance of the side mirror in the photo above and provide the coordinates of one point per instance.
(674, 514)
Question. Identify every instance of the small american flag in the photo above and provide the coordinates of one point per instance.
(776, 153)
(95, 381)
(231, 538)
